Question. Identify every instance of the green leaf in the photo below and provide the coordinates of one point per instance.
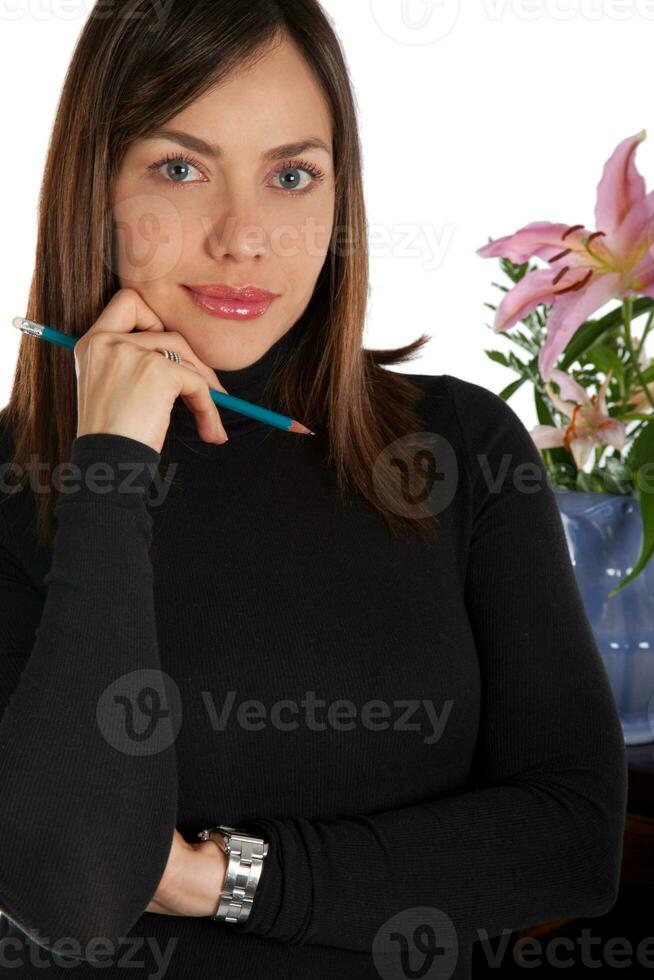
(511, 388)
(617, 476)
(563, 474)
(593, 330)
(640, 459)
(588, 483)
(515, 362)
(512, 270)
(646, 542)
(496, 355)
(642, 449)
(605, 359)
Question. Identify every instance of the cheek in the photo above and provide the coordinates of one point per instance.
(148, 238)
(302, 238)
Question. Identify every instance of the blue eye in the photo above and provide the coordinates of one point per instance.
(295, 167)
(295, 180)
(177, 168)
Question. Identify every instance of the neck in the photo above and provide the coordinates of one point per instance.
(249, 383)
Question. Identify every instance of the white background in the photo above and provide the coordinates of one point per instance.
(475, 121)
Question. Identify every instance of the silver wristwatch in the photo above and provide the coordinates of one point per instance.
(245, 856)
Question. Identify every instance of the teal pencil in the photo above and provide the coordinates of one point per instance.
(219, 397)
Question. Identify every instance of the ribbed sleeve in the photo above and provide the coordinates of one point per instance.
(84, 800)
(541, 834)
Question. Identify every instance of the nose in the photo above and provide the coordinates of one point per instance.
(237, 233)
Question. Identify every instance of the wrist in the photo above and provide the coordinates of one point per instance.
(208, 875)
(197, 880)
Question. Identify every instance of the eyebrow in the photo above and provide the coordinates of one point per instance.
(211, 149)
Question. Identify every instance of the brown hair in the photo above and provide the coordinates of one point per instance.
(130, 73)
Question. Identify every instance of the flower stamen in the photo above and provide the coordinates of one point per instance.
(560, 255)
(589, 239)
(576, 285)
(571, 228)
(571, 432)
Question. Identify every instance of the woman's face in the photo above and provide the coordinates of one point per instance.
(186, 216)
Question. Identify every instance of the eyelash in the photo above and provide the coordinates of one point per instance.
(311, 168)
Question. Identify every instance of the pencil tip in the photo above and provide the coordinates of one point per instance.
(302, 429)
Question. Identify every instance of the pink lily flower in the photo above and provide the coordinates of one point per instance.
(587, 269)
(640, 402)
(590, 422)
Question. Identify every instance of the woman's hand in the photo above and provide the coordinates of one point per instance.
(192, 881)
(124, 386)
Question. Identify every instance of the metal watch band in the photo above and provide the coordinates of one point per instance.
(245, 856)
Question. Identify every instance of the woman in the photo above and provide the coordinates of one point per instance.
(414, 728)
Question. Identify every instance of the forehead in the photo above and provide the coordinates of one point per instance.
(276, 100)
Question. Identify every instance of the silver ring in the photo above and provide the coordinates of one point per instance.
(171, 355)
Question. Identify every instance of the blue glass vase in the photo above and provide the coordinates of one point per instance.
(603, 531)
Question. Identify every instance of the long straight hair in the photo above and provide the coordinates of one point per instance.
(132, 70)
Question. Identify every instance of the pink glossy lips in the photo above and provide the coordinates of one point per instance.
(231, 303)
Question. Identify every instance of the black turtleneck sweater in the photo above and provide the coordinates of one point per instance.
(424, 733)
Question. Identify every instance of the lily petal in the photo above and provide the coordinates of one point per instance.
(639, 402)
(614, 434)
(569, 387)
(541, 238)
(642, 274)
(637, 224)
(534, 288)
(565, 408)
(547, 436)
(569, 311)
(620, 186)
(581, 450)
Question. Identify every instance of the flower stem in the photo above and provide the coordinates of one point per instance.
(648, 326)
(627, 307)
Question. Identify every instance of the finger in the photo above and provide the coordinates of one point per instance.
(195, 393)
(174, 341)
(125, 310)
